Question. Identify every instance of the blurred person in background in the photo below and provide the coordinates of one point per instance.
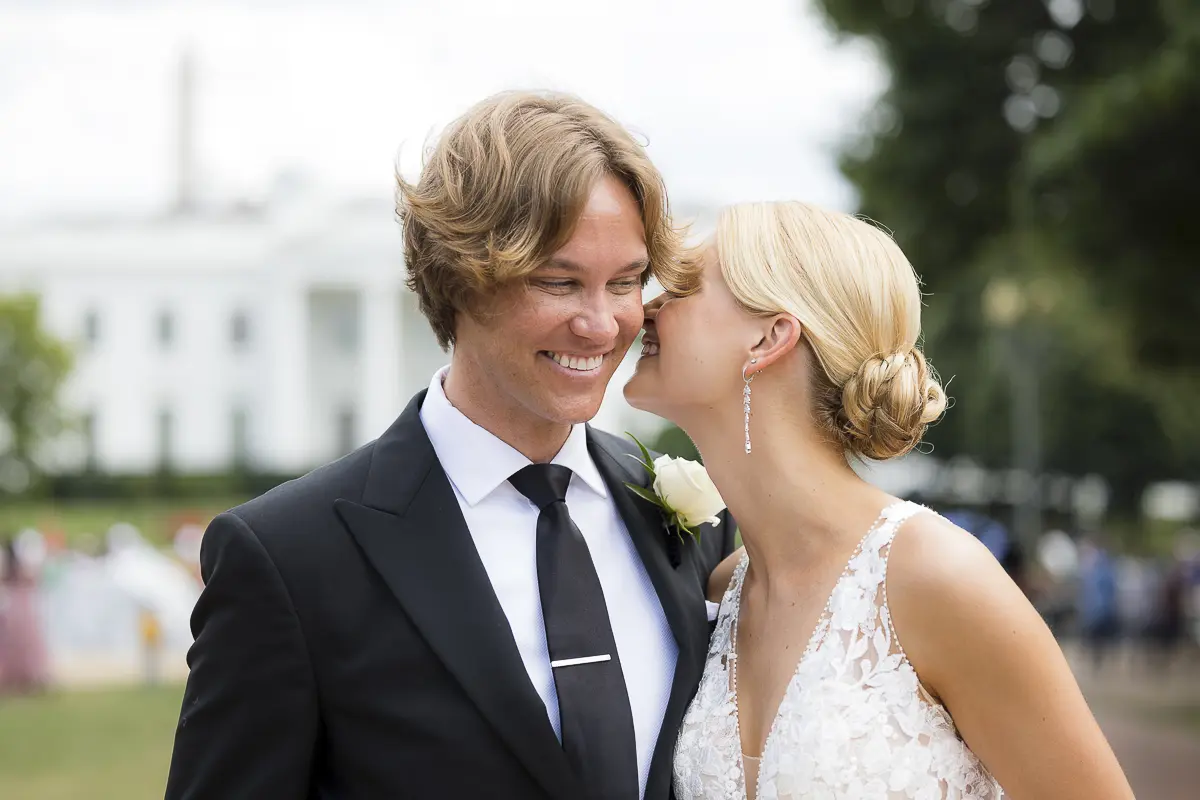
(1171, 633)
(23, 660)
(150, 636)
(1138, 592)
(1099, 623)
(1058, 572)
(475, 604)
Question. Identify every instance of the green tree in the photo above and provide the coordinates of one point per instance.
(33, 366)
(1049, 145)
(1117, 182)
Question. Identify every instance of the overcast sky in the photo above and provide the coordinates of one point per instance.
(739, 100)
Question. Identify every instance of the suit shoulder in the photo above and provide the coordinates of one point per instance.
(296, 504)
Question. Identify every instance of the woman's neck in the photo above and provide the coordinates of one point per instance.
(795, 498)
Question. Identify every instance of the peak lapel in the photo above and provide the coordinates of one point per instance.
(411, 529)
(684, 613)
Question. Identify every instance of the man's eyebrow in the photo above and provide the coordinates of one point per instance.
(558, 262)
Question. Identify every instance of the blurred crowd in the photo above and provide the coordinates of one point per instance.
(1111, 601)
(122, 600)
(109, 608)
(1107, 600)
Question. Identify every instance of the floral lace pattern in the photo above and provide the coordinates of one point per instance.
(855, 722)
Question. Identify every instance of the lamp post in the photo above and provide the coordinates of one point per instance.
(1004, 306)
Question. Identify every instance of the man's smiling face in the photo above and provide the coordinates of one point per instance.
(550, 345)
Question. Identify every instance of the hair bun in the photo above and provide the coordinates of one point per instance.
(888, 403)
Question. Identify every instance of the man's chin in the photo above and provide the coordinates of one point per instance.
(573, 412)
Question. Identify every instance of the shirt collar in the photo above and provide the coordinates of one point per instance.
(477, 462)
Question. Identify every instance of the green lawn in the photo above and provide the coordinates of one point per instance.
(98, 745)
(156, 519)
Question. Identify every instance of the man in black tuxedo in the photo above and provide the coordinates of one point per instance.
(473, 605)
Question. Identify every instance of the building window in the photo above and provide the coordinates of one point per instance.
(239, 330)
(345, 326)
(88, 431)
(240, 430)
(166, 328)
(347, 422)
(91, 327)
(166, 439)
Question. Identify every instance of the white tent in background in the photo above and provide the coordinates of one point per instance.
(154, 581)
(92, 608)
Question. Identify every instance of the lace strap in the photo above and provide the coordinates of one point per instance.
(727, 611)
(900, 514)
(894, 517)
(734, 590)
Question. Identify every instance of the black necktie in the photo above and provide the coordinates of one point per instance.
(593, 702)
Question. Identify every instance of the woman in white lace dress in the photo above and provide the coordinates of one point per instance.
(865, 647)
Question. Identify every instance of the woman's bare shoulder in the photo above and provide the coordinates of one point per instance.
(946, 591)
(979, 645)
(930, 556)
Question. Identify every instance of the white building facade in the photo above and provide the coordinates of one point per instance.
(273, 340)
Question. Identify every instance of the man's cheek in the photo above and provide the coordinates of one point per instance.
(632, 316)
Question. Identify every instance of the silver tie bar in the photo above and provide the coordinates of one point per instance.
(571, 662)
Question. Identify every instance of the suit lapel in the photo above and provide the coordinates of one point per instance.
(410, 527)
(686, 617)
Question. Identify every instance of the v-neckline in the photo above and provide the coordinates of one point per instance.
(809, 648)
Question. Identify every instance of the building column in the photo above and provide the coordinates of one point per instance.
(283, 413)
(380, 374)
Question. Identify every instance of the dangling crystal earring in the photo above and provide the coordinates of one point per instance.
(746, 402)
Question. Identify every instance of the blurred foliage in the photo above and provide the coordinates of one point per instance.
(33, 366)
(82, 524)
(159, 485)
(674, 442)
(82, 506)
(1048, 146)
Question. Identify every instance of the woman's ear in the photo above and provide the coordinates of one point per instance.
(780, 335)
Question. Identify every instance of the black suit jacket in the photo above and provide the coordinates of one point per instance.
(349, 644)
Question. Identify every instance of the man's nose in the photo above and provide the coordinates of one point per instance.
(597, 322)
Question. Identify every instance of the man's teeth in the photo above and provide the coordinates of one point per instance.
(581, 363)
(649, 348)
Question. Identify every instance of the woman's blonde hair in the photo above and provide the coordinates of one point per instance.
(859, 300)
(502, 190)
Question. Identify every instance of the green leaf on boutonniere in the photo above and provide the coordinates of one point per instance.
(646, 461)
(681, 529)
(645, 494)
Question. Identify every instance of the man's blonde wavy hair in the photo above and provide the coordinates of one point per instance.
(501, 191)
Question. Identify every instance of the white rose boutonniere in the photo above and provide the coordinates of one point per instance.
(682, 489)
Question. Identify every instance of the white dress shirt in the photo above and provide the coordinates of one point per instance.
(503, 524)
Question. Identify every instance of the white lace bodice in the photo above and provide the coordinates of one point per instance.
(855, 722)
